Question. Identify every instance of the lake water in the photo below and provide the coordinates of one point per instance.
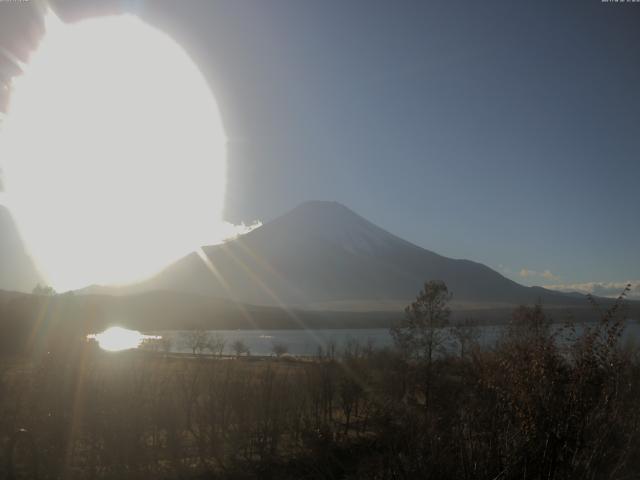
(308, 342)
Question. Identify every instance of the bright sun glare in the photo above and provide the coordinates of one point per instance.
(114, 153)
(116, 339)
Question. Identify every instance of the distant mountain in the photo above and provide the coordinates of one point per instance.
(322, 254)
(318, 266)
(17, 271)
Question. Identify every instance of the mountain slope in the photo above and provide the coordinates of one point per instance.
(17, 271)
(322, 252)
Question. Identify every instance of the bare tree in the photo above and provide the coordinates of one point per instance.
(217, 344)
(466, 333)
(421, 332)
(44, 290)
(239, 347)
(279, 349)
(197, 340)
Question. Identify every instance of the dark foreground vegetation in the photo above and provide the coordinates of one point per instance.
(532, 407)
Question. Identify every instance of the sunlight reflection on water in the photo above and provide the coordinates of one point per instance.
(116, 339)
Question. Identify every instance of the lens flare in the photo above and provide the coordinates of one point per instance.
(116, 339)
(113, 153)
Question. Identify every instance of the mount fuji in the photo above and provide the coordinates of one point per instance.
(322, 255)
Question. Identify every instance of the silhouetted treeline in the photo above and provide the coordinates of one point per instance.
(172, 311)
(156, 311)
(531, 407)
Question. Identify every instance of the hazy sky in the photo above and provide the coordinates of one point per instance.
(504, 132)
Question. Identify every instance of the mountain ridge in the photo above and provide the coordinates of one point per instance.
(323, 252)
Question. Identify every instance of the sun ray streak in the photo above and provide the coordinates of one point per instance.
(225, 285)
(269, 268)
(288, 311)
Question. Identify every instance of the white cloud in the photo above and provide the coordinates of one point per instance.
(546, 274)
(526, 273)
(231, 231)
(601, 289)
